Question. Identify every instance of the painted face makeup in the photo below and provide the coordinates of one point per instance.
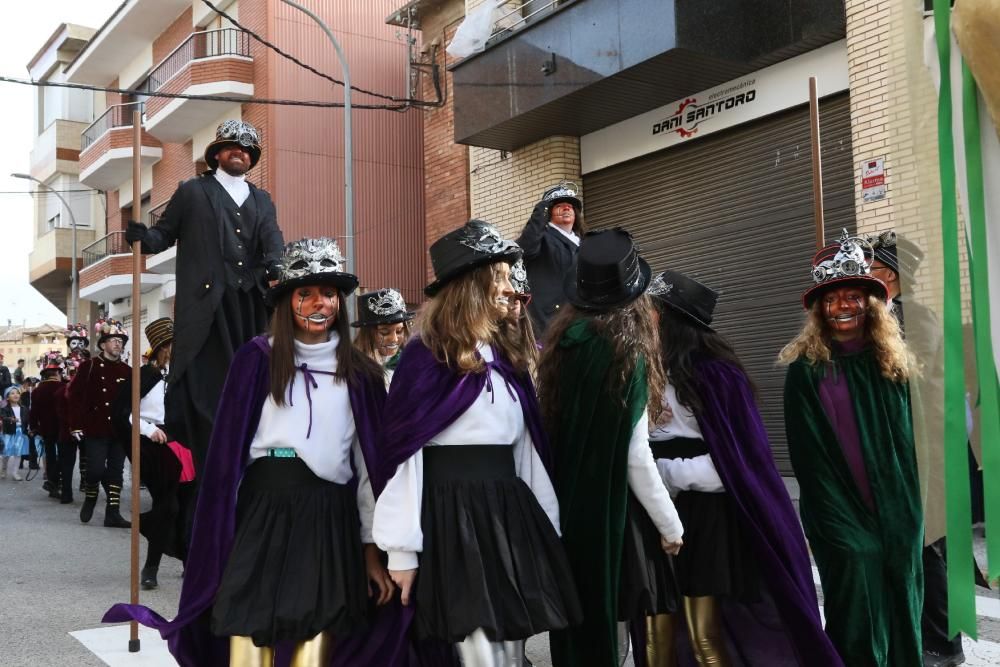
(76, 344)
(314, 308)
(844, 310)
(563, 214)
(389, 338)
(501, 291)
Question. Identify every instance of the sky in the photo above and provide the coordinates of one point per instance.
(29, 24)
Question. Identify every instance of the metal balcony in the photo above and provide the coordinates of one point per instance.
(107, 270)
(164, 263)
(213, 62)
(106, 148)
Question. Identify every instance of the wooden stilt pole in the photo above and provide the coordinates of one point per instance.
(133, 642)
(817, 166)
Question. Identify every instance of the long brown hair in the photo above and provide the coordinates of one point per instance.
(631, 332)
(366, 339)
(813, 342)
(352, 365)
(460, 317)
(684, 343)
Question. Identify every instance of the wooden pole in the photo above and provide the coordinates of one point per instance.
(133, 642)
(817, 166)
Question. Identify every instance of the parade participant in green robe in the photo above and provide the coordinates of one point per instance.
(847, 419)
(600, 380)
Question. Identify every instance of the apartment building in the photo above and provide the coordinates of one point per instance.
(183, 46)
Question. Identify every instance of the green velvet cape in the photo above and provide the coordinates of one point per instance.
(869, 562)
(590, 444)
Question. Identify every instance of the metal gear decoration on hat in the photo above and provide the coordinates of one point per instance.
(238, 131)
(852, 260)
(485, 238)
(519, 277)
(659, 287)
(307, 257)
(386, 302)
(563, 190)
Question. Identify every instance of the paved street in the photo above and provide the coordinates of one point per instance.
(60, 576)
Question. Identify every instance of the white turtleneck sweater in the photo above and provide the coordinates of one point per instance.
(236, 186)
(332, 444)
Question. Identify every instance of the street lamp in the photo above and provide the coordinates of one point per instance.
(74, 297)
(348, 152)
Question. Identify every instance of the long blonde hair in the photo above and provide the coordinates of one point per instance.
(881, 331)
(460, 317)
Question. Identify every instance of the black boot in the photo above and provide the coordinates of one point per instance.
(148, 579)
(89, 503)
(112, 516)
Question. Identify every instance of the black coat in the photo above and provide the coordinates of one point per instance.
(194, 218)
(4, 378)
(548, 257)
(9, 423)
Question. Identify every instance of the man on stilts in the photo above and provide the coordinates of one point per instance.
(230, 245)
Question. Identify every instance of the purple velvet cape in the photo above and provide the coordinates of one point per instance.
(784, 627)
(426, 396)
(188, 637)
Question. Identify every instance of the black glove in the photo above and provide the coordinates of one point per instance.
(135, 231)
(274, 271)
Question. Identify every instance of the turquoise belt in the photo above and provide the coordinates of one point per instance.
(282, 453)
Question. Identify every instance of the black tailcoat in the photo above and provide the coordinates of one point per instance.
(548, 256)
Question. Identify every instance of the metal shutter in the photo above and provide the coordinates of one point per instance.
(734, 210)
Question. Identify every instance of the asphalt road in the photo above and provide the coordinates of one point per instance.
(58, 575)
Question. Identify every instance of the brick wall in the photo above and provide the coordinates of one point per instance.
(175, 166)
(114, 215)
(446, 164)
(172, 36)
(113, 98)
(506, 186)
(119, 137)
(253, 15)
(197, 72)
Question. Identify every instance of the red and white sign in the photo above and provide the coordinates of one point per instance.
(873, 180)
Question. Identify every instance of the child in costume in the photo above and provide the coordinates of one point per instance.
(715, 459)
(599, 380)
(847, 417)
(15, 432)
(383, 327)
(469, 499)
(282, 533)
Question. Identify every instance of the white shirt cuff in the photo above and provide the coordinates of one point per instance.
(403, 560)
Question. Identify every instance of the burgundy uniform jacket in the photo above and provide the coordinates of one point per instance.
(91, 394)
(43, 418)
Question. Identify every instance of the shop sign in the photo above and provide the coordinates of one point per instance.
(873, 180)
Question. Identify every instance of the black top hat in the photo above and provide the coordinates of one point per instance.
(564, 192)
(159, 332)
(234, 133)
(844, 264)
(609, 272)
(312, 262)
(386, 306)
(686, 296)
(475, 244)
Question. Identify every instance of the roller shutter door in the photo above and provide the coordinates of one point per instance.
(734, 210)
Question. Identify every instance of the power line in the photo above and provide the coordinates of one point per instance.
(46, 192)
(210, 98)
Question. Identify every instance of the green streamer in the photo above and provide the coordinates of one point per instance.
(989, 410)
(958, 511)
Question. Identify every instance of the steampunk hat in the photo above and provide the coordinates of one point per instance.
(475, 244)
(234, 133)
(609, 272)
(109, 328)
(159, 332)
(51, 361)
(519, 278)
(312, 262)
(77, 332)
(566, 191)
(899, 254)
(385, 306)
(686, 296)
(843, 264)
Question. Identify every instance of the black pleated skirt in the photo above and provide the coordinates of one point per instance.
(648, 583)
(297, 566)
(491, 558)
(715, 559)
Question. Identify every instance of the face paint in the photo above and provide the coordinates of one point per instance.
(314, 308)
(389, 337)
(76, 344)
(501, 291)
(844, 311)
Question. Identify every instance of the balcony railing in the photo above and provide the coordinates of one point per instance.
(118, 115)
(156, 213)
(207, 44)
(527, 12)
(112, 244)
